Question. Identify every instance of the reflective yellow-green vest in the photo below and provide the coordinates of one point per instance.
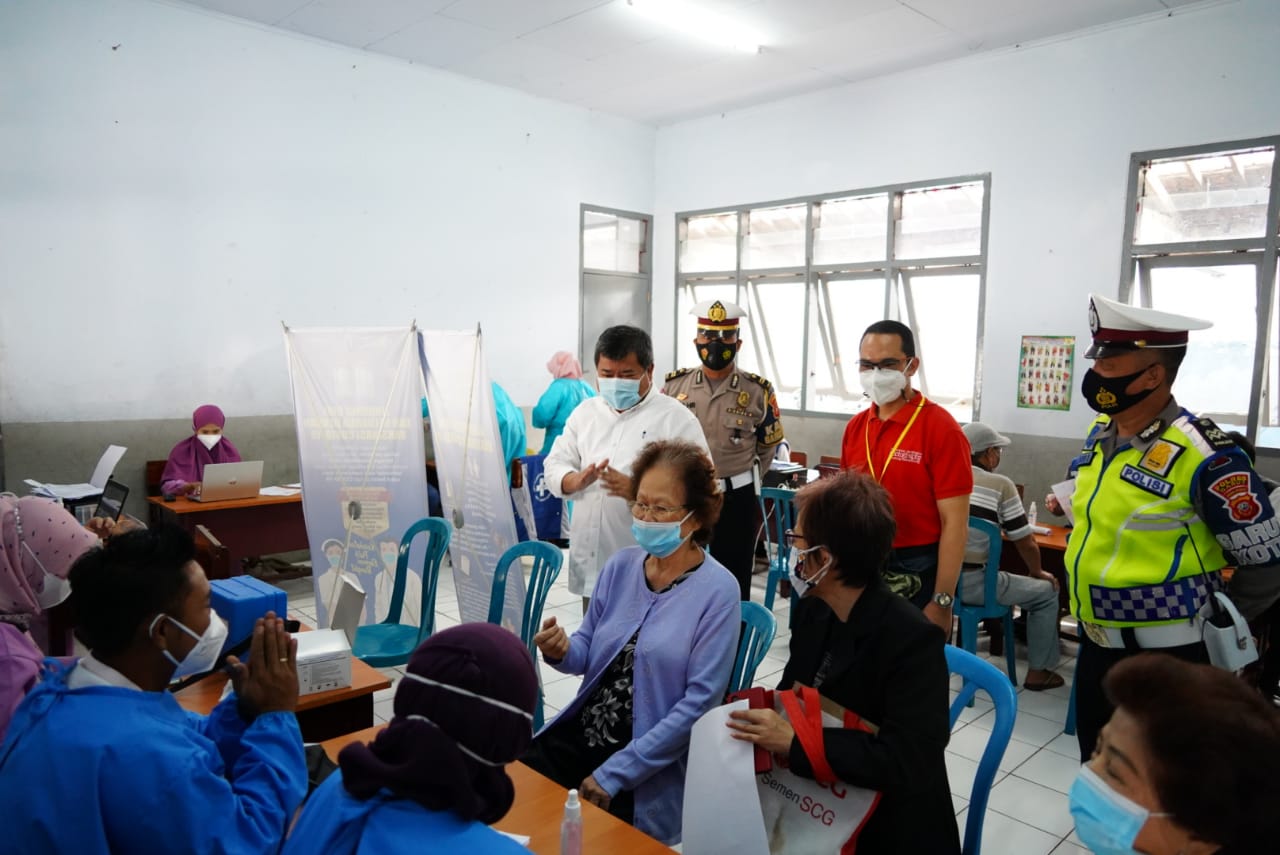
(1136, 531)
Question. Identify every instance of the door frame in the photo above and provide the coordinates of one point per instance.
(646, 264)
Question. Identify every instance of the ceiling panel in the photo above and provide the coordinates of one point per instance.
(439, 41)
(881, 33)
(605, 55)
(603, 30)
(265, 11)
(516, 17)
(517, 63)
(358, 23)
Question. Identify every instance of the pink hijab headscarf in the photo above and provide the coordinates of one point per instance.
(564, 364)
(189, 457)
(36, 535)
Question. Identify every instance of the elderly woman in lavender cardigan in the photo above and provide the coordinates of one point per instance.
(656, 647)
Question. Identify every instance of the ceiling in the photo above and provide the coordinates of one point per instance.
(604, 55)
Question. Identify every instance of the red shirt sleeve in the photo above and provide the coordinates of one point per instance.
(948, 460)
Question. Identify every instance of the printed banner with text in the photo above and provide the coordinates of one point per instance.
(474, 482)
(356, 399)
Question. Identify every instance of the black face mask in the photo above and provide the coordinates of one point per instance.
(1107, 395)
(717, 354)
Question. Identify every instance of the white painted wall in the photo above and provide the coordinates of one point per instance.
(1055, 125)
(173, 184)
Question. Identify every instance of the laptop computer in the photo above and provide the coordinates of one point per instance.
(223, 481)
(111, 502)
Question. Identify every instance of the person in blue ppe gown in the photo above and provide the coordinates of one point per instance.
(511, 431)
(510, 425)
(435, 778)
(566, 391)
(99, 758)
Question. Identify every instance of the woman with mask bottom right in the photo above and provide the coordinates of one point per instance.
(1187, 765)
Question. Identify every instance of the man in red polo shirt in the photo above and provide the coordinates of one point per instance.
(917, 451)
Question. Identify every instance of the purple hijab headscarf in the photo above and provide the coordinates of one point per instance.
(189, 457)
(463, 710)
(36, 535)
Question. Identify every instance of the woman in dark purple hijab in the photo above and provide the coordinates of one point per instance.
(185, 469)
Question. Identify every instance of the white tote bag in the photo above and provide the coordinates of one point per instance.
(818, 815)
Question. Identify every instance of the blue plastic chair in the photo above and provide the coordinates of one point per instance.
(784, 518)
(390, 642)
(978, 674)
(547, 560)
(759, 628)
(971, 616)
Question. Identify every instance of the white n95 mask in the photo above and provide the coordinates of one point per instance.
(204, 656)
(209, 440)
(882, 385)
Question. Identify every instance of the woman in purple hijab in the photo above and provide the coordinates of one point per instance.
(435, 778)
(185, 469)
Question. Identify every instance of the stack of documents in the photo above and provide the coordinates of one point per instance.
(69, 492)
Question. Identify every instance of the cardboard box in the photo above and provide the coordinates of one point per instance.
(241, 600)
(324, 661)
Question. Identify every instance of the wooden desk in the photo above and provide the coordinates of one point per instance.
(247, 527)
(321, 715)
(538, 809)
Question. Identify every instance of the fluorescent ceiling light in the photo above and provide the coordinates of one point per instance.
(699, 23)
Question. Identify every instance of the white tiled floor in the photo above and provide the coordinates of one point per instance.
(1027, 810)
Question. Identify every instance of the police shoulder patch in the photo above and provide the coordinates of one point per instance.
(1211, 433)
(679, 372)
(758, 379)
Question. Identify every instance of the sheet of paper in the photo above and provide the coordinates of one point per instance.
(1062, 491)
(279, 491)
(721, 807)
(106, 465)
(1040, 529)
(62, 491)
(297, 486)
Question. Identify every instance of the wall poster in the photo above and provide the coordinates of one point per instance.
(1045, 372)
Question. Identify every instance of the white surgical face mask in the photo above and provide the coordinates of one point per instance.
(55, 590)
(204, 656)
(209, 439)
(794, 561)
(882, 385)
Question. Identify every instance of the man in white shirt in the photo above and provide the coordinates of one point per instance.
(590, 462)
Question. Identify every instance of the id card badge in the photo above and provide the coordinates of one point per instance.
(1226, 634)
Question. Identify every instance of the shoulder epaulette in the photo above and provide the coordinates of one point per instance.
(1211, 433)
(679, 372)
(756, 377)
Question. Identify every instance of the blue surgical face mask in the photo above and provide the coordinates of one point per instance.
(660, 539)
(1106, 822)
(622, 393)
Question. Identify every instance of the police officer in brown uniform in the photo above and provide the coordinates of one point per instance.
(739, 416)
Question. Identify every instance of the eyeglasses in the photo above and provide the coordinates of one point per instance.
(640, 510)
(729, 337)
(886, 364)
(792, 536)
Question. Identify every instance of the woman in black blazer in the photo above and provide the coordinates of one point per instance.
(875, 654)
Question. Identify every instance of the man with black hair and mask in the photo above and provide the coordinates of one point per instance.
(1163, 502)
(739, 415)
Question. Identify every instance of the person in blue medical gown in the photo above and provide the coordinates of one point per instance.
(434, 779)
(99, 758)
(566, 392)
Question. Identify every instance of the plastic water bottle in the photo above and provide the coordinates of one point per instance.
(571, 826)
(1031, 514)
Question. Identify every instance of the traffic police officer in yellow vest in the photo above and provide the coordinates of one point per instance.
(1163, 502)
(739, 416)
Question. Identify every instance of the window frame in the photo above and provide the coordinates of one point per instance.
(1137, 260)
(889, 270)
